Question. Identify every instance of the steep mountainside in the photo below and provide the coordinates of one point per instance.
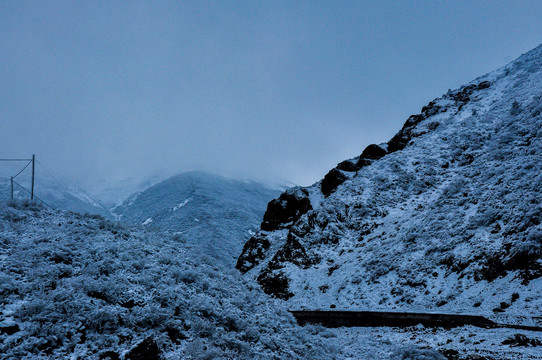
(214, 214)
(446, 216)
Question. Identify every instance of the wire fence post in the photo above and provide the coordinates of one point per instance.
(33, 168)
(12, 188)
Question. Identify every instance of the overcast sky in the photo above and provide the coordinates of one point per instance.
(267, 90)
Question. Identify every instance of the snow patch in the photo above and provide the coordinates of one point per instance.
(181, 204)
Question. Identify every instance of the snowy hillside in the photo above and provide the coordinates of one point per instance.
(78, 286)
(75, 286)
(215, 214)
(444, 217)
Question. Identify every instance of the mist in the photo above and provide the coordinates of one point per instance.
(269, 91)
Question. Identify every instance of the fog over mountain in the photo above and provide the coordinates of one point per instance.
(267, 91)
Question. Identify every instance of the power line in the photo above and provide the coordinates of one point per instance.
(59, 182)
(15, 159)
(22, 169)
(28, 191)
(30, 161)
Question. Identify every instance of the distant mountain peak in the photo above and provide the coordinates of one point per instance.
(209, 211)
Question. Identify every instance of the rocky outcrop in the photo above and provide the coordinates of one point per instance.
(272, 280)
(287, 211)
(281, 212)
(373, 152)
(459, 97)
(332, 179)
(348, 165)
(253, 252)
(403, 137)
(290, 205)
(464, 94)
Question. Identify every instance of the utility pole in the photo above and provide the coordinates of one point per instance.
(33, 169)
(12, 188)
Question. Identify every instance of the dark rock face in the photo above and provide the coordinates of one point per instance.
(347, 165)
(431, 109)
(145, 350)
(363, 162)
(292, 252)
(332, 179)
(272, 280)
(290, 206)
(373, 152)
(403, 137)
(253, 252)
(463, 95)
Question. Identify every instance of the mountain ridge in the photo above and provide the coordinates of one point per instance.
(406, 220)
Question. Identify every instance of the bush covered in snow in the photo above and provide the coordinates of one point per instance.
(82, 286)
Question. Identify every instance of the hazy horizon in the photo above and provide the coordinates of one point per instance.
(274, 92)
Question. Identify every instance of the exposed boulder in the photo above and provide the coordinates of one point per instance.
(403, 137)
(332, 179)
(373, 152)
(348, 165)
(521, 340)
(463, 94)
(253, 252)
(290, 206)
(362, 162)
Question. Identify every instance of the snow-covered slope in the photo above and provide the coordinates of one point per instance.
(214, 214)
(445, 217)
(78, 286)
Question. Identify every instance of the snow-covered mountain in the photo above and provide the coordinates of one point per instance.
(214, 214)
(446, 216)
(56, 195)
